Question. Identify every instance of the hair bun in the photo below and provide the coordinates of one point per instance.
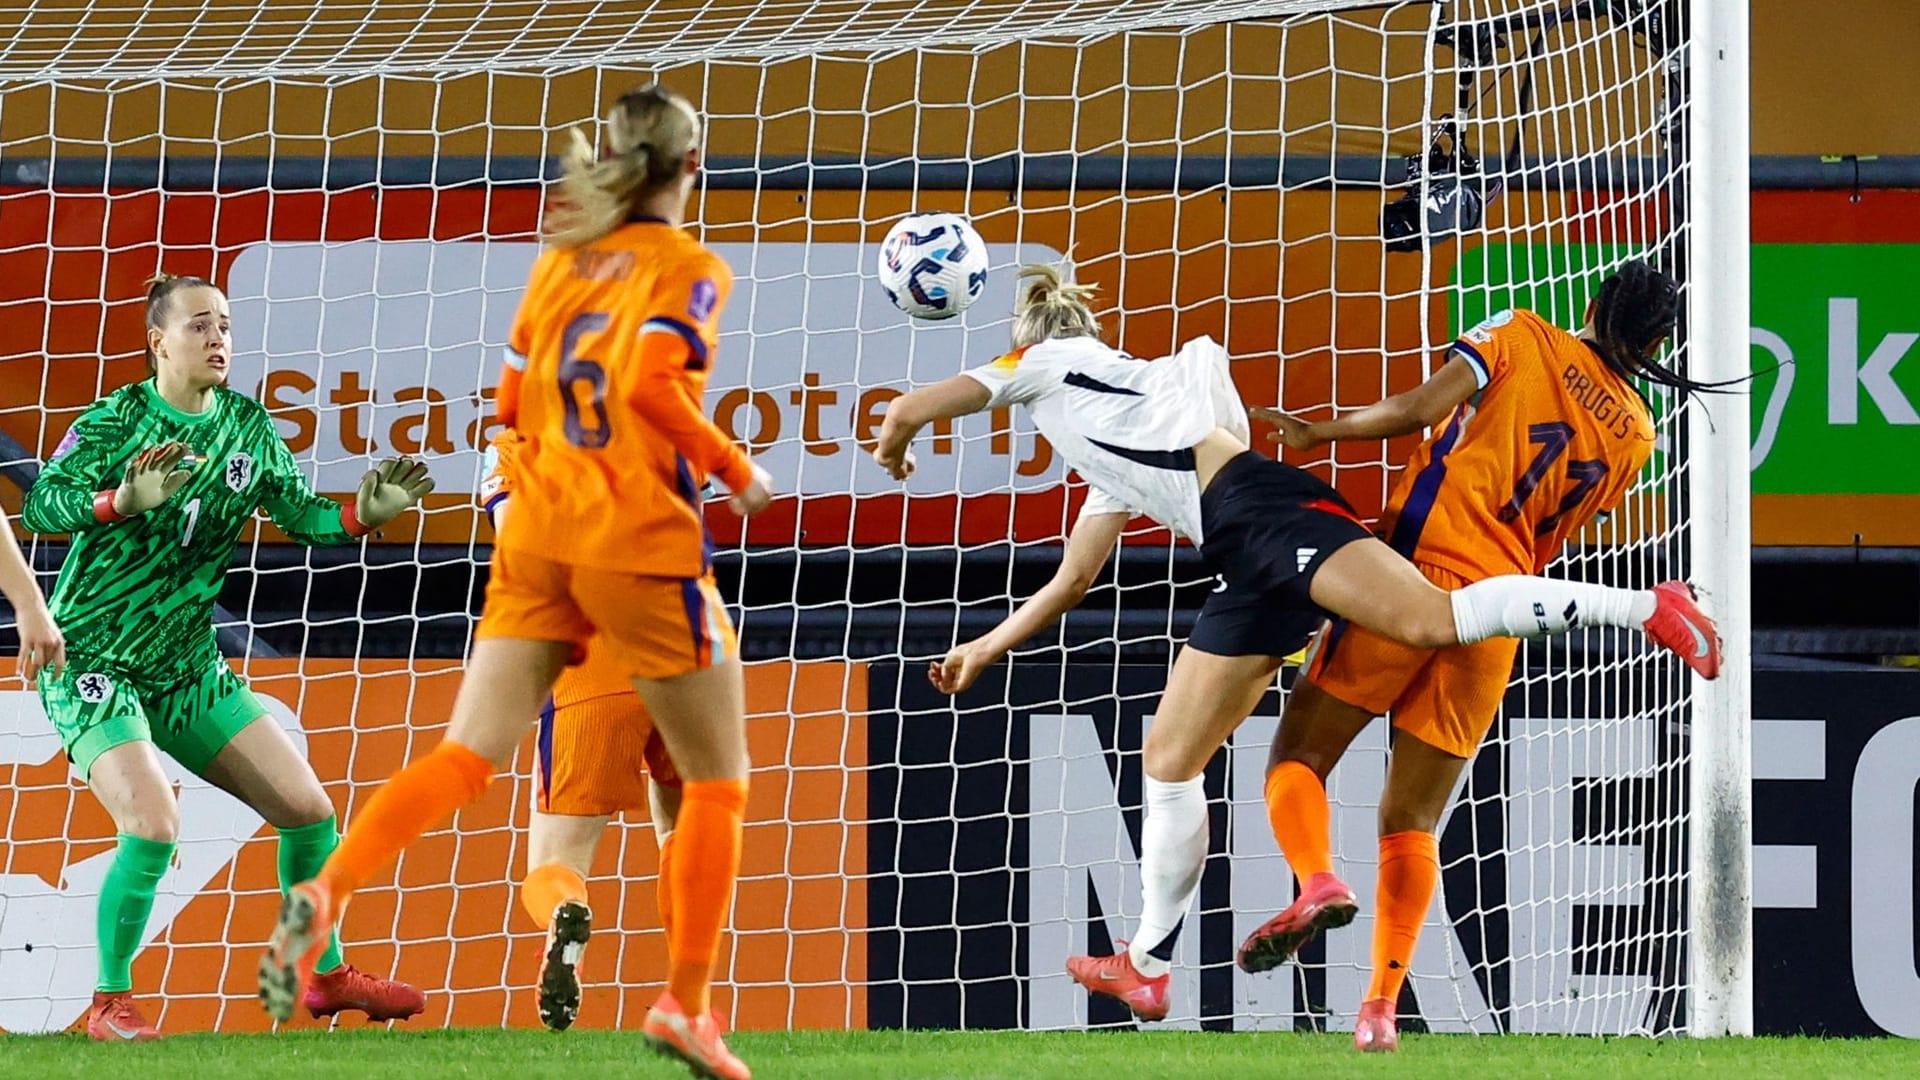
(160, 277)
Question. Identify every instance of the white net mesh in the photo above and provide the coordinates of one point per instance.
(362, 179)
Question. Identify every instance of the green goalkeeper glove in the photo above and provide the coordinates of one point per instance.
(388, 488)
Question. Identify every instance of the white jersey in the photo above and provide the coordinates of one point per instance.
(1127, 426)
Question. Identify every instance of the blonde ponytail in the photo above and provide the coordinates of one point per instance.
(1052, 307)
(648, 134)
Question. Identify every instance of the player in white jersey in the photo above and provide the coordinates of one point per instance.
(1168, 439)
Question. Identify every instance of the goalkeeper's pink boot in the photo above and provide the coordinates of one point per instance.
(347, 987)
(115, 1018)
(1325, 903)
(1680, 627)
(1115, 976)
(299, 937)
(1377, 1032)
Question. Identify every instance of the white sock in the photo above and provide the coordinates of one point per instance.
(1173, 851)
(1525, 607)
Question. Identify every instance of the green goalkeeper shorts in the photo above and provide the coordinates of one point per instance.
(95, 709)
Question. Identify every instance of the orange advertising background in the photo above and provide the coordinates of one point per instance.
(450, 921)
(1171, 265)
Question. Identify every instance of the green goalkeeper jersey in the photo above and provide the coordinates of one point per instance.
(136, 596)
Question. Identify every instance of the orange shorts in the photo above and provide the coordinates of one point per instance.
(649, 627)
(1446, 698)
(594, 756)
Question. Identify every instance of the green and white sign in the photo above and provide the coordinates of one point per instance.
(1841, 322)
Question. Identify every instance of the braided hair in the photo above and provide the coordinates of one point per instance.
(1635, 308)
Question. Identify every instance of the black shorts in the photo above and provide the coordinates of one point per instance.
(1268, 528)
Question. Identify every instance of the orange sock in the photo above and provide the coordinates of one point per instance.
(549, 886)
(704, 868)
(663, 890)
(1409, 869)
(1297, 807)
(424, 793)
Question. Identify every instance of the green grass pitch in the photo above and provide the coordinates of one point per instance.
(589, 1055)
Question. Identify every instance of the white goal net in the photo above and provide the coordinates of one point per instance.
(363, 180)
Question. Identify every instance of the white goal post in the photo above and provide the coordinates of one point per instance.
(1719, 309)
(1331, 188)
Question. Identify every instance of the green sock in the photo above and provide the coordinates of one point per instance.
(126, 899)
(303, 851)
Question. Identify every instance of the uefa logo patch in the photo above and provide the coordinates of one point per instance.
(239, 471)
(700, 299)
(1482, 332)
(67, 442)
(93, 687)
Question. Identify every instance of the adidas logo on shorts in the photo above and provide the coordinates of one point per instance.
(1303, 557)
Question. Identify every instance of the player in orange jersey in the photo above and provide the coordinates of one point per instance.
(1542, 430)
(607, 362)
(594, 743)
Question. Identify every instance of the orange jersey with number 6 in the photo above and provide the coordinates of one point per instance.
(608, 361)
(1554, 437)
(596, 676)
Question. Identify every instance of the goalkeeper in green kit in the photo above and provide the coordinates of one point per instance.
(155, 481)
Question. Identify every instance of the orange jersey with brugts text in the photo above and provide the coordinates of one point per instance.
(595, 677)
(1554, 437)
(608, 361)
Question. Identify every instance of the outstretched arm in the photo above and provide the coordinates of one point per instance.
(961, 395)
(310, 518)
(41, 646)
(1402, 414)
(1088, 546)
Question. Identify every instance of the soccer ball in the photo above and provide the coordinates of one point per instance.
(933, 266)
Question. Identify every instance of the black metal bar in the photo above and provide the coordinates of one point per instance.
(1005, 172)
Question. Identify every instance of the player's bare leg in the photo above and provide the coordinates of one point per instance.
(1314, 733)
(261, 767)
(701, 716)
(560, 851)
(506, 682)
(663, 805)
(1371, 585)
(1207, 697)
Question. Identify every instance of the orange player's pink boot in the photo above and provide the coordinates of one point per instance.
(1324, 904)
(299, 937)
(1680, 627)
(347, 987)
(1115, 976)
(115, 1018)
(692, 1039)
(1377, 1032)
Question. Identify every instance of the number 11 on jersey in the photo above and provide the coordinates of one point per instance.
(1553, 439)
